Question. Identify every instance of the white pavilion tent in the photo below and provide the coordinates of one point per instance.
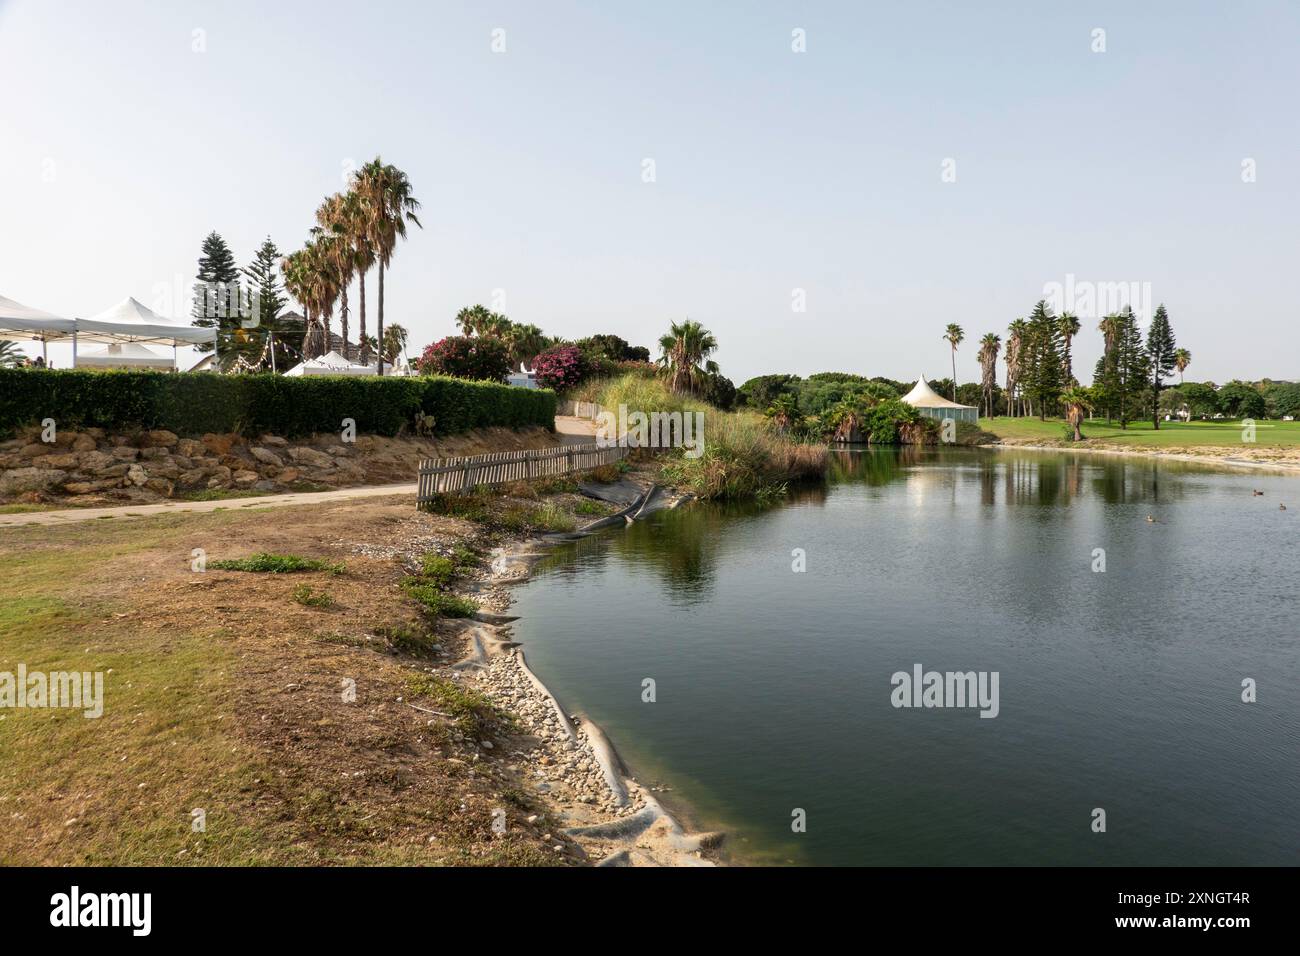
(933, 405)
(124, 355)
(127, 322)
(22, 322)
(332, 363)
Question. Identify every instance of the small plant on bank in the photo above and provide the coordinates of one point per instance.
(474, 714)
(436, 602)
(308, 596)
(407, 640)
(591, 508)
(266, 563)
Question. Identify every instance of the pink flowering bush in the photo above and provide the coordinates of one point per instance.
(561, 368)
(463, 356)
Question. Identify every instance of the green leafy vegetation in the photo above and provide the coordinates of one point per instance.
(308, 596)
(193, 404)
(266, 563)
(474, 713)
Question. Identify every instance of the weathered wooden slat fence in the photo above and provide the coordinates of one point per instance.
(453, 475)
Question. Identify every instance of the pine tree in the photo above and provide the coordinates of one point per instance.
(1132, 367)
(1044, 371)
(266, 296)
(216, 290)
(1161, 350)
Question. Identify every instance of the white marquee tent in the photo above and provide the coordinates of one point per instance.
(933, 405)
(332, 363)
(126, 322)
(124, 355)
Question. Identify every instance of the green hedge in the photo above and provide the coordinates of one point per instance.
(191, 404)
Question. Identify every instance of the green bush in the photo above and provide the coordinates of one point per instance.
(191, 404)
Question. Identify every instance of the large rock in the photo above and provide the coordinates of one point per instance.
(191, 478)
(274, 440)
(189, 448)
(311, 457)
(37, 450)
(94, 461)
(266, 456)
(83, 442)
(126, 453)
(159, 438)
(137, 475)
(219, 445)
(246, 479)
(234, 462)
(18, 481)
(288, 476)
(66, 461)
(160, 485)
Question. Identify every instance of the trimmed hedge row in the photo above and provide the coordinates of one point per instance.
(191, 404)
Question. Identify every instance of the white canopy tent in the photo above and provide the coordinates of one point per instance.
(933, 405)
(332, 363)
(126, 322)
(23, 323)
(124, 355)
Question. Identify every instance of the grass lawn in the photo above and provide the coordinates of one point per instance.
(1223, 434)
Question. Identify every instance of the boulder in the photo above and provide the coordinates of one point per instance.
(246, 479)
(266, 456)
(234, 462)
(78, 487)
(83, 442)
(311, 457)
(67, 461)
(288, 476)
(161, 485)
(126, 453)
(95, 461)
(18, 481)
(189, 448)
(154, 452)
(191, 478)
(274, 440)
(219, 445)
(36, 450)
(159, 438)
(137, 476)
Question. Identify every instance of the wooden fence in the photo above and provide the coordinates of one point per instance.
(453, 475)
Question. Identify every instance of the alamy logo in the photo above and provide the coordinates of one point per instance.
(77, 690)
(948, 689)
(103, 909)
(1092, 300)
(683, 430)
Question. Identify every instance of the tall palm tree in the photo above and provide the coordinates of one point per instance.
(1068, 323)
(1015, 340)
(685, 351)
(954, 336)
(1182, 359)
(784, 412)
(334, 220)
(990, 345)
(296, 270)
(385, 194)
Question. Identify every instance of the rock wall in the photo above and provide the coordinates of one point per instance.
(90, 466)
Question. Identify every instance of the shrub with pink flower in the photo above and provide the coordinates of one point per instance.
(561, 368)
(464, 356)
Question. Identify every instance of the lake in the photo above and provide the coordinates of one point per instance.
(1118, 689)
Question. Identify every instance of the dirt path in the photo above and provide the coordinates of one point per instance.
(74, 515)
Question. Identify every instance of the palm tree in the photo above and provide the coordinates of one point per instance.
(954, 336)
(784, 412)
(10, 356)
(525, 342)
(394, 342)
(335, 222)
(685, 351)
(1077, 401)
(1068, 323)
(990, 345)
(473, 319)
(1015, 339)
(385, 195)
(297, 282)
(1182, 359)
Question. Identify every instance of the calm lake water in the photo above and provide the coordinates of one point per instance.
(1119, 690)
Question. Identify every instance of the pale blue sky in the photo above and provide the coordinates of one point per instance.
(121, 147)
